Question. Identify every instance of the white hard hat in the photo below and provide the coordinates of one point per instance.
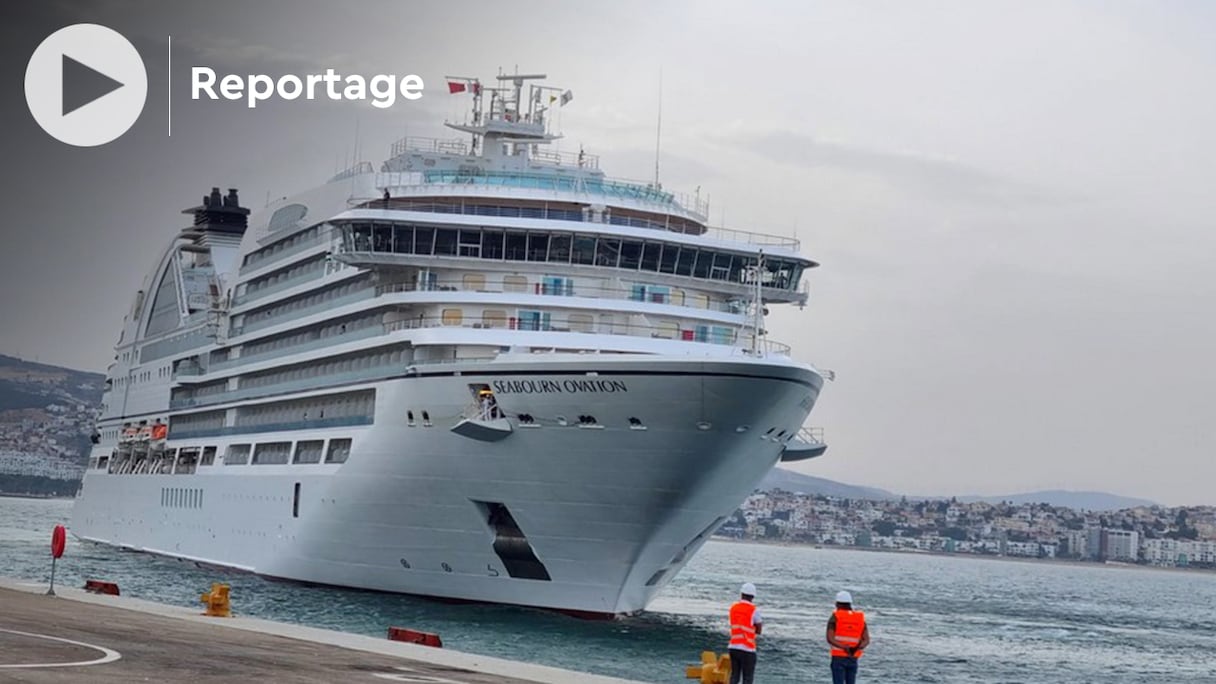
(844, 597)
(748, 588)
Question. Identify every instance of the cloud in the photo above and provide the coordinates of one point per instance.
(920, 174)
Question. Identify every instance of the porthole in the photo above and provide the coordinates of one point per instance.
(703, 425)
(409, 418)
(743, 428)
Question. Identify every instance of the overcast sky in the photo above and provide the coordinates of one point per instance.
(1012, 202)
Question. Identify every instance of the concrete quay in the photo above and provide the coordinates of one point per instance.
(81, 637)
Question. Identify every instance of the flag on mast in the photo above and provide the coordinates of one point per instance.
(566, 97)
(464, 85)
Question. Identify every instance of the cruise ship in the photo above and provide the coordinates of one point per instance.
(483, 371)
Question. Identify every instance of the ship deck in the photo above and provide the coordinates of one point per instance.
(73, 637)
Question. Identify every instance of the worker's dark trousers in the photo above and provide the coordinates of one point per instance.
(844, 670)
(742, 664)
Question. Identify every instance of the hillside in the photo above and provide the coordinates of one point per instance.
(46, 409)
(790, 481)
(1088, 501)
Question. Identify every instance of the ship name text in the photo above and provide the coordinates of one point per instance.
(557, 387)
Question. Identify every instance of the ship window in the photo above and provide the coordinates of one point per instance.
(554, 285)
(339, 451)
(272, 453)
(704, 261)
(470, 243)
(514, 283)
(631, 254)
(581, 322)
(382, 237)
(538, 246)
(668, 263)
(739, 269)
(493, 318)
(584, 250)
(491, 244)
(474, 281)
(403, 239)
(685, 262)
(237, 454)
(721, 267)
(309, 451)
(517, 246)
(607, 252)
(534, 320)
(445, 242)
(559, 248)
(295, 501)
(409, 418)
(453, 316)
(424, 240)
(208, 456)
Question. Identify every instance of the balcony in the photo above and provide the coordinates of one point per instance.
(229, 431)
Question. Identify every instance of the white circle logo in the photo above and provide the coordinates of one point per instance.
(85, 85)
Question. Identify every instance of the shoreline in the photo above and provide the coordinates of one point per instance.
(1065, 562)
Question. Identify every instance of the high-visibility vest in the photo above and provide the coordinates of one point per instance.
(742, 631)
(850, 624)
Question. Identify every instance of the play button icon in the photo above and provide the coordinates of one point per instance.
(85, 85)
(82, 85)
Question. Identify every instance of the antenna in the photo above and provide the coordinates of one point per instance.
(658, 135)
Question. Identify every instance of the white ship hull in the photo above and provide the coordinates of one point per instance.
(611, 511)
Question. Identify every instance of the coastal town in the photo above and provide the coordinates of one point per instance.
(47, 414)
(1150, 535)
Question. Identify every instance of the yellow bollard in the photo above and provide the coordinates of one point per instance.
(216, 601)
(714, 669)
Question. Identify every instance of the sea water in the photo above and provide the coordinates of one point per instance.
(932, 618)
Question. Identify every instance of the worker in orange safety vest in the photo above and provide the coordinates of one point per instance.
(745, 625)
(848, 636)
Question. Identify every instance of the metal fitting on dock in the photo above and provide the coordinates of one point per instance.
(714, 669)
(216, 601)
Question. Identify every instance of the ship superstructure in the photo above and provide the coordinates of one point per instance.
(483, 371)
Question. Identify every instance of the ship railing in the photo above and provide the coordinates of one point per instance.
(313, 424)
(765, 346)
(357, 169)
(704, 334)
(468, 207)
(269, 288)
(353, 335)
(645, 295)
(751, 238)
(811, 435)
(369, 373)
(265, 257)
(580, 160)
(266, 322)
(459, 182)
(454, 146)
